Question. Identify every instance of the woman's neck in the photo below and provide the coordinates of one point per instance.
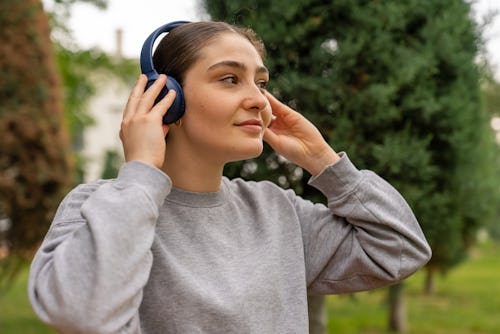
(192, 172)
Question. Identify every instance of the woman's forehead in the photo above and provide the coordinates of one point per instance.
(230, 46)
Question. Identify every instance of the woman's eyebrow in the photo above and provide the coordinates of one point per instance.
(236, 64)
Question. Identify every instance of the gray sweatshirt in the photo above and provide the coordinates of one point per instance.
(135, 255)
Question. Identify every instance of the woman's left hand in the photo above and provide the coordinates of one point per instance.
(291, 135)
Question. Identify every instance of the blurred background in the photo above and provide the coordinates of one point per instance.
(409, 88)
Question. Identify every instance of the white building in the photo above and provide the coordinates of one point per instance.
(106, 108)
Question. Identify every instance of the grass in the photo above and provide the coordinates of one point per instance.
(467, 302)
(16, 315)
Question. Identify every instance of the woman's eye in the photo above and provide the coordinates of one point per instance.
(230, 79)
(262, 84)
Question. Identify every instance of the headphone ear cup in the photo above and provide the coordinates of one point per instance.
(177, 108)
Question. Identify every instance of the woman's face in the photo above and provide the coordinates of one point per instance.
(226, 109)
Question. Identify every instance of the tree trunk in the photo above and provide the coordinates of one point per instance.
(316, 314)
(430, 286)
(398, 322)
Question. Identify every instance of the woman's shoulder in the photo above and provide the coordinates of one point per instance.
(78, 195)
(86, 189)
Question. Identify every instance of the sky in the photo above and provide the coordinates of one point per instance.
(93, 27)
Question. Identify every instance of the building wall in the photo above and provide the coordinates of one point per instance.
(106, 108)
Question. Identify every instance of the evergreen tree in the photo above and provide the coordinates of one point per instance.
(34, 165)
(393, 83)
(490, 92)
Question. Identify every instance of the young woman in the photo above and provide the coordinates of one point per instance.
(171, 246)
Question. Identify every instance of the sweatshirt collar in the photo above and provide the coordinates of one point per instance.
(198, 199)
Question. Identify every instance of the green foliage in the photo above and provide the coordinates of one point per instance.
(393, 83)
(491, 101)
(102, 4)
(491, 96)
(112, 163)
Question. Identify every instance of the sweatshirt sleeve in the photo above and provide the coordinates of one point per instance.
(88, 274)
(367, 238)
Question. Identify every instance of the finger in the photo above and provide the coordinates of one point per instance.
(149, 96)
(278, 108)
(165, 103)
(135, 97)
(271, 138)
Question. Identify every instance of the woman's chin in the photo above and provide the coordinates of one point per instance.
(249, 153)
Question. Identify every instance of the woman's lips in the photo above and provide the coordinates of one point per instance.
(252, 125)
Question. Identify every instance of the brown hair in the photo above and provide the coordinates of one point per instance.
(180, 48)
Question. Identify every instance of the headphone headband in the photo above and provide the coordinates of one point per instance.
(177, 108)
(147, 66)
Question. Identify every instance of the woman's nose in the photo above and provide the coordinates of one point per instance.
(255, 99)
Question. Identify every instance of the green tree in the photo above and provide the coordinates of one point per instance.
(35, 167)
(393, 83)
(112, 163)
(490, 93)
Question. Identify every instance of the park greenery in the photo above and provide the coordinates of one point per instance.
(399, 85)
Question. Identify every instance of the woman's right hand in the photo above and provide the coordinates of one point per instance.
(142, 131)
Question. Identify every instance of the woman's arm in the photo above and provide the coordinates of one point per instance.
(368, 236)
(89, 272)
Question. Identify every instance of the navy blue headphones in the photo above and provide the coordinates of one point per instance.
(177, 108)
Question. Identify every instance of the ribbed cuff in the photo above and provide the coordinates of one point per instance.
(337, 179)
(152, 180)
